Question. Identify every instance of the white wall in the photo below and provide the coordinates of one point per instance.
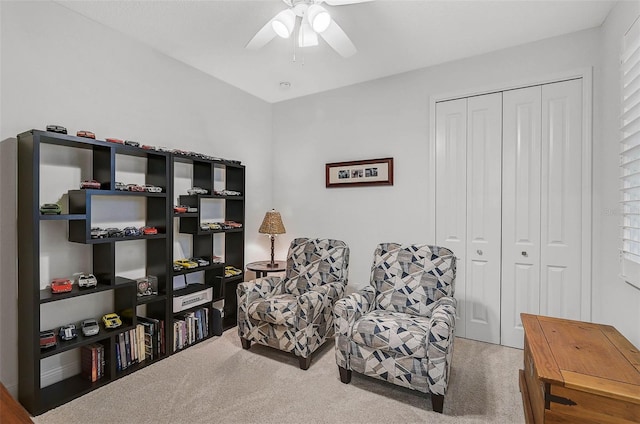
(61, 68)
(390, 117)
(614, 301)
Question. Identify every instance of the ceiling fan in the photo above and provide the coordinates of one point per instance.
(310, 19)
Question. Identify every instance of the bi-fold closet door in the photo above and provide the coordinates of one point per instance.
(508, 203)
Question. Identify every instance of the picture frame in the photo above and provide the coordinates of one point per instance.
(369, 172)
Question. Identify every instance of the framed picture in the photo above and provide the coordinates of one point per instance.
(369, 172)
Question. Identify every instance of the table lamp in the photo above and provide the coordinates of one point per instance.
(272, 226)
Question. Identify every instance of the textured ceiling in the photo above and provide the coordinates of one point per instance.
(391, 36)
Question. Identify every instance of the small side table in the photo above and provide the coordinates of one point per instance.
(261, 269)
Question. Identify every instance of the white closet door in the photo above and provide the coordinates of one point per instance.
(520, 210)
(484, 198)
(561, 223)
(451, 190)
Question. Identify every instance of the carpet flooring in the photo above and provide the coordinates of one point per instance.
(218, 382)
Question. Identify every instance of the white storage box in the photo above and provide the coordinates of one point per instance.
(180, 303)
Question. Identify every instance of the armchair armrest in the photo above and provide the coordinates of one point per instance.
(249, 291)
(349, 309)
(317, 299)
(440, 344)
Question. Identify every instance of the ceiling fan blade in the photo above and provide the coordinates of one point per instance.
(338, 40)
(344, 2)
(262, 37)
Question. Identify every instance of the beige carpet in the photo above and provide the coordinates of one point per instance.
(218, 382)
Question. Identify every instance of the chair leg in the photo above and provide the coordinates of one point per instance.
(304, 362)
(246, 344)
(345, 375)
(437, 401)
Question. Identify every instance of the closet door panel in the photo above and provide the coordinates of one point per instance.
(561, 223)
(520, 211)
(484, 194)
(451, 191)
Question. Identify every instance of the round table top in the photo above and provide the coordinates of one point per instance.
(263, 266)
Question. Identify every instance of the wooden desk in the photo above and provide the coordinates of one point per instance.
(10, 410)
(261, 268)
(578, 372)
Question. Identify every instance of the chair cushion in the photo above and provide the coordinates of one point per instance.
(393, 332)
(278, 309)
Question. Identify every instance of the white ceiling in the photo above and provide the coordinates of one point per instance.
(391, 36)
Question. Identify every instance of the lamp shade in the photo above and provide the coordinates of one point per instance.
(319, 18)
(283, 23)
(272, 223)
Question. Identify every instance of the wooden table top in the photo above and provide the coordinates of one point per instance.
(10, 410)
(589, 357)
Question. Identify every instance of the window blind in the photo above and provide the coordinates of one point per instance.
(630, 155)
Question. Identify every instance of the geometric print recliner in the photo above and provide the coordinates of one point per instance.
(400, 328)
(295, 313)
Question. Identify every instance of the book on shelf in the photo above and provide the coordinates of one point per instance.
(92, 361)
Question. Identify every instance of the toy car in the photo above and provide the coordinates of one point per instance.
(131, 232)
(57, 129)
(50, 209)
(148, 147)
(179, 209)
(216, 259)
(200, 261)
(121, 186)
(114, 140)
(86, 134)
(61, 285)
(111, 320)
(90, 184)
(230, 271)
(177, 267)
(87, 280)
(196, 190)
(227, 193)
(114, 232)
(135, 187)
(192, 209)
(98, 233)
(204, 226)
(90, 327)
(215, 226)
(47, 339)
(232, 224)
(68, 332)
(186, 263)
(149, 230)
(132, 143)
(152, 189)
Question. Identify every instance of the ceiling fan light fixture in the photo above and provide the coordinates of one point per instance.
(306, 36)
(319, 18)
(283, 23)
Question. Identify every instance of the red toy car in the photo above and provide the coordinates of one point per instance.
(61, 285)
(114, 140)
(149, 230)
(86, 134)
(90, 184)
(180, 209)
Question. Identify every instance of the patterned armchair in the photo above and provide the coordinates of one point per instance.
(294, 314)
(400, 327)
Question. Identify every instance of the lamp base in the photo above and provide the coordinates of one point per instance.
(271, 265)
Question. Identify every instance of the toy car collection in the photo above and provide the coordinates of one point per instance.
(50, 209)
(47, 339)
(111, 320)
(86, 134)
(68, 332)
(61, 285)
(57, 129)
(87, 280)
(90, 184)
(90, 327)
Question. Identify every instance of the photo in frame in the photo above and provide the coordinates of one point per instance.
(370, 172)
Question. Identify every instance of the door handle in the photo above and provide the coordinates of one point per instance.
(479, 252)
(525, 254)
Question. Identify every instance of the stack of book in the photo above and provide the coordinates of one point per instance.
(190, 327)
(142, 343)
(92, 361)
